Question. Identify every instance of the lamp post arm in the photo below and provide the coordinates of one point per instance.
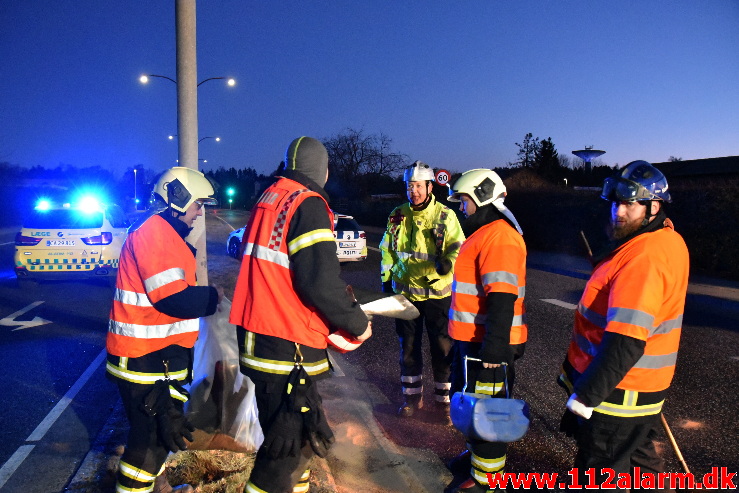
(210, 78)
(162, 77)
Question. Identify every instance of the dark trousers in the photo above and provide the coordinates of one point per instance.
(144, 455)
(619, 444)
(276, 475)
(487, 457)
(435, 316)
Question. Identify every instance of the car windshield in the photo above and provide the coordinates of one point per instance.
(63, 219)
(347, 224)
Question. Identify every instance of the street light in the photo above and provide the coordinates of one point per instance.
(135, 195)
(144, 79)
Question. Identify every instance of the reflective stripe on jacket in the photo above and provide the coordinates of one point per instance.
(491, 260)
(258, 305)
(409, 250)
(155, 262)
(639, 291)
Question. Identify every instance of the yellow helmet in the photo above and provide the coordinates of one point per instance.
(179, 187)
(483, 185)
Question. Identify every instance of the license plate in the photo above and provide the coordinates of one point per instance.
(346, 244)
(60, 242)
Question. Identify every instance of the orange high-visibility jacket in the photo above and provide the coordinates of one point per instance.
(265, 300)
(639, 291)
(491, 260)
(155, 262)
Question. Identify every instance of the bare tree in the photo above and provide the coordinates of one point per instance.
(353, 153)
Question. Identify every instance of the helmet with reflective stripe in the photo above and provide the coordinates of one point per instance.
(418, 171)
(179, 187)
(483, 185)
(637, 181)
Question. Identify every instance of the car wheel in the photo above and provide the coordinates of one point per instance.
(233, 247)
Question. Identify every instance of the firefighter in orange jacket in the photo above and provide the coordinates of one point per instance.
(288, 298)
(153, 327)
(622, 356)
(486, 319)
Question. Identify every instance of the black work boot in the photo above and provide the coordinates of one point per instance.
(410, 406)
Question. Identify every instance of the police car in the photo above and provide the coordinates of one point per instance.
(351, 241)
(70, 241)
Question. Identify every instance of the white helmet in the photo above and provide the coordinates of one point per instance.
(179, 187)
(418, 171)
(482, 185)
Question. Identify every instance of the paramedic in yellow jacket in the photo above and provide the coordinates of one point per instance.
(419, 249)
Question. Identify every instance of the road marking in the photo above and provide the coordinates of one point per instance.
(7, 243)
(20, 455)
(10, 319)
(563, 304)
(373, 248)
(15, 460)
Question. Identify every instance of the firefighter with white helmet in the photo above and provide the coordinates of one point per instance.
(418, 251)
(487, 316)
(153, 327)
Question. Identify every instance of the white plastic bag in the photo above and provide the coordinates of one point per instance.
(222, 404)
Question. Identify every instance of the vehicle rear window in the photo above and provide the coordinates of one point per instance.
(63, 219)
(346, 224)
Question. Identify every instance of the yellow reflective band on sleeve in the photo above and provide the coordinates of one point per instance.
(309, 239)
(250, 488)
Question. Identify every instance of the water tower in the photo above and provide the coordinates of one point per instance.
(587, 155)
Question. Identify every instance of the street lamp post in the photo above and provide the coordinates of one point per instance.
(135, 195)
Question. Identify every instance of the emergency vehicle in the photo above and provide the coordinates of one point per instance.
(70, 241)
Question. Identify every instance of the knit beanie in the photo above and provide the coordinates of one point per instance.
(308, 156)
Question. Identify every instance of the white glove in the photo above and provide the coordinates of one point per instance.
(577, 407)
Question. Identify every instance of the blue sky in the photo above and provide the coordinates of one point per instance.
(455, 84)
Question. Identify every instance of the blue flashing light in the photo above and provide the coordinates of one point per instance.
(43, 205)
(89, 204)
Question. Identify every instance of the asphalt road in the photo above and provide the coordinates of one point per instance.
(55, 397)
(44, 363)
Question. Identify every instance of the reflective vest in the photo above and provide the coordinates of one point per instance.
(409, 248)
(155, 262)
(265, 300)
(639, 291)
(491, 260)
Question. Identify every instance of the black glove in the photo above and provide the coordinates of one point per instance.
(285, 434)
(319, 432)
(172, 425)
(443, 265)
(387, 287)
(569, 423)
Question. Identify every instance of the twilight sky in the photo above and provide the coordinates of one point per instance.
(453, 83)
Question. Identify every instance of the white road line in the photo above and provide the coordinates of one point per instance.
(373, 248)
(563, 304)
(7, 243)
(20, 455)
(12, 464)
